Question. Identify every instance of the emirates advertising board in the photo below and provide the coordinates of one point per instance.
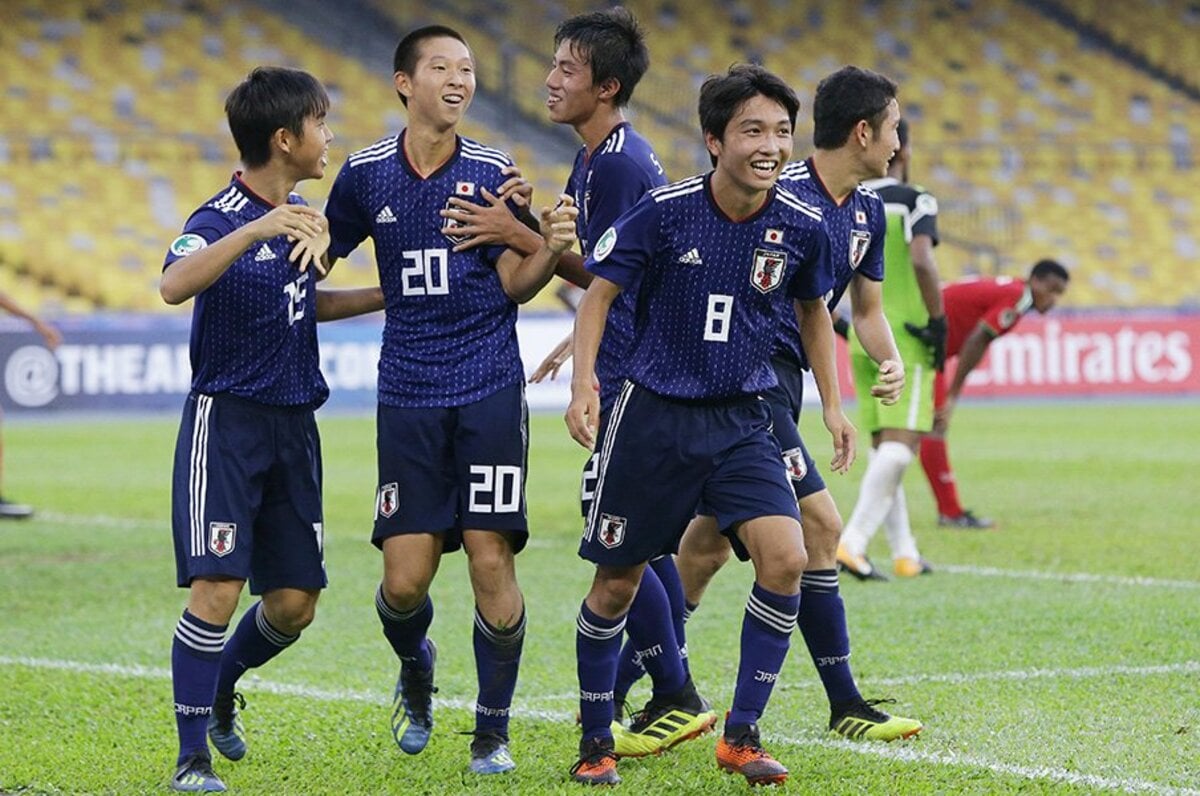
(141, 364)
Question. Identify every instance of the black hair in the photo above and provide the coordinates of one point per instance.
(722, 96)
(902, 132)
(613, 44)
(847, 97)
(270, 98)
(408, 51)
(1044, 268)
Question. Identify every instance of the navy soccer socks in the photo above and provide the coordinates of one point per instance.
(822, 622)
(766, 632)
(195, 661)
(405, 630)
(497, 661)
(597, 645)
(254, 643)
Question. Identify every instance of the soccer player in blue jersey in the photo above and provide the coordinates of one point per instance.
(452, 423)
(855, 115)
(599, 58)
(246, 496)
(714, 258)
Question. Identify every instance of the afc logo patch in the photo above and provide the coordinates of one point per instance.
(222, 538)
(612, 530)
(388, 500)
(860, 241)
(793, 460)
(767, 273)
(449, 224)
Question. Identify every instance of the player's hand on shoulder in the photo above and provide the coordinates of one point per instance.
(516, 187)
(297, 222)
(554, 361)
(844, 439)
(311, 251)
(890, 383)
(558, 224)
(487, 223)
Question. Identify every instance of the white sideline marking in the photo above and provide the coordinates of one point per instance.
(1069, 577)
(901, 753)
(1186, 667)
(125, 523)
(910, 754)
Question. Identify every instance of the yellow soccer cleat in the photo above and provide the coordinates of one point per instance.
(911, 567)
(864, 721)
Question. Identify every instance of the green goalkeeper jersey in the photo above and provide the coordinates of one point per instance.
(911, 211)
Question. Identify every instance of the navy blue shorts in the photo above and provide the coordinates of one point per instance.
(246, 494)
(785, 402)
(659, 458)
(449, 469)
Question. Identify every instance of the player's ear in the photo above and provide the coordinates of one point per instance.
(609, 88)
(862, 133)
(283, 140)
(403, 84)
(713, 144)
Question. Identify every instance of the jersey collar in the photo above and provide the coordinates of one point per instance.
(240, 184)
(816, 175)
(408, 166)
(712, 200)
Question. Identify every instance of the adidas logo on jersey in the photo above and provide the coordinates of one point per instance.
(386, 216)
(691, 258)
(264, 254)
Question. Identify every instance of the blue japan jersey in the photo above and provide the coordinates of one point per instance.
(619, 172)
(856, 230)
(450, 335)
(711, 288)
(254, 330)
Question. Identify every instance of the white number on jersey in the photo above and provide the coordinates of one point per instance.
(498, 490)
(296, 293)
(587, 486)
(425, 273)
(716, 322)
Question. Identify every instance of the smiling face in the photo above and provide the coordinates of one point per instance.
(441, 85)
(880, 145)
(310, 151)
(571, 97)
(756, 145)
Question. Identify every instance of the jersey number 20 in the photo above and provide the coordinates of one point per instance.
(424, 272)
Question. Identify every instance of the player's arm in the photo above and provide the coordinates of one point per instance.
(557, 357)
(816, 332)
(970, 355)
(583, 413)
(875, 333)
(933, 334)
(333, 305)
(51, 336)
(523, 277)
(187, 276)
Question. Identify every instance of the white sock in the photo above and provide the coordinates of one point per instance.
(897, 529)
(876, 494)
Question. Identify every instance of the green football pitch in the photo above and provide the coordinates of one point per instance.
(1057, 654)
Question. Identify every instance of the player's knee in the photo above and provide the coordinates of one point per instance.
(404, 592)
(780, 572)
(613, 591)
(491, 565)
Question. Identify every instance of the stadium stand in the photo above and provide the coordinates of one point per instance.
(1036, 141)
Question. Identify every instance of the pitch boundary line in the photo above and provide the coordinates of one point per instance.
(903, 754)
(108, 521)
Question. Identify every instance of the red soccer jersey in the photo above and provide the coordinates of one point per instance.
(998, 302)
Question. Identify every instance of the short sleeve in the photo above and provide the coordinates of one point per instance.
(814, 278)
(348, 223)
(923, 219)
(206, 226)
(872, 263)
(617, 184)
(625, 250)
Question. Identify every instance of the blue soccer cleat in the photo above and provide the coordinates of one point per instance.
(412, 706)
(490, 755)
(225, 728)
(195, 775)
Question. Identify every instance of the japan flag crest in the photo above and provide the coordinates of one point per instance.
(222, 538)
(767, 273)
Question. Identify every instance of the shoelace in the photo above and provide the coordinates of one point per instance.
(594, 755)
(420, 686)
(747, 738)
(875, 714)
(224, 711)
